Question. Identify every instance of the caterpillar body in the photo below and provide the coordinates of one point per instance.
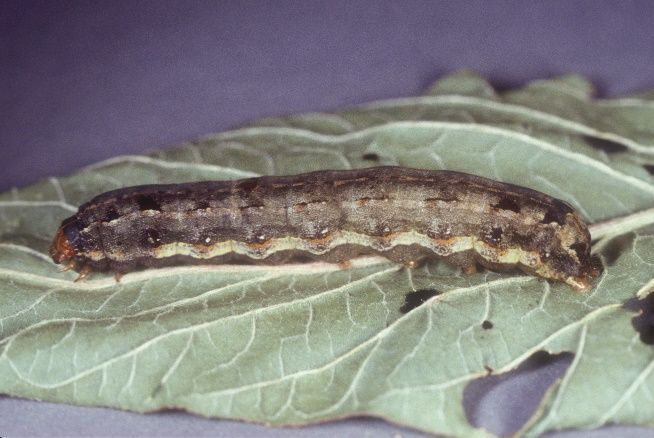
(403, 214)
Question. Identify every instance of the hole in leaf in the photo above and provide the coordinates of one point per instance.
(508, 204)
(370, 156)
(415, 299)
(503, 403)
(608, 146)
(649, 168)
(643, 322)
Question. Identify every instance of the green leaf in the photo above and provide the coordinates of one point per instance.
(298, 344)
(562, 108)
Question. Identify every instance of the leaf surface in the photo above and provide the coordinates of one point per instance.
(297, 344)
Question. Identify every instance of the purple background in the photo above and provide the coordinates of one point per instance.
(83, 82)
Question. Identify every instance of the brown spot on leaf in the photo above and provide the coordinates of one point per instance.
(487, 325)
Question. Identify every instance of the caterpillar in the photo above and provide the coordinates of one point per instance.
(403, 214)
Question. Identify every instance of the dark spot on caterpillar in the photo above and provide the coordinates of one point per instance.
(247, 186)
(487, 325)
(608, 146)
(643, 322)
(615, 248)
(444, 197)
(366, 199)
(415, 299)
(554, 215)
(246, 207)
(522, 240)
(383, 230)
(441, 231)
(247, 190)
(201, 205)
(580, 248)
(649, 168)
(111, 214)
(147, 202)
(370, 156)
(561, 260)
(494, 235)
(152, 237)
(260, 237)
(509, 204)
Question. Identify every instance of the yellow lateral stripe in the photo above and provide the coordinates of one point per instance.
(509, 256)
